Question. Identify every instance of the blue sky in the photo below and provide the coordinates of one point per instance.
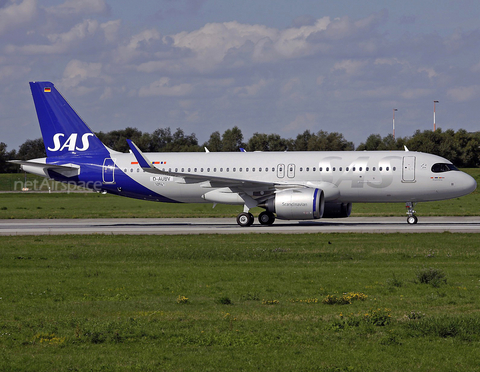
(270, 66)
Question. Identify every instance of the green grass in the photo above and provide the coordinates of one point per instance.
(94, 205)
(247, 302)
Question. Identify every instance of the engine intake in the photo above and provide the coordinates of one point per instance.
(297, 204)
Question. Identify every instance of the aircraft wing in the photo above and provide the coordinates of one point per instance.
(67, 170)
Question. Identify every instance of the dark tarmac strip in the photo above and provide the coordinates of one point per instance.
(178, 226)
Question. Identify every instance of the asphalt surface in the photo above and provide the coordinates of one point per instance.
(178, 226)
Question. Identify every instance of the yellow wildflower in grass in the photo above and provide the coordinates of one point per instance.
(345, 299)
(182, 299)
(270, 302)
(50, 339)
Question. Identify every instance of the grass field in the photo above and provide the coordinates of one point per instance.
(94, 205)
(326, 302)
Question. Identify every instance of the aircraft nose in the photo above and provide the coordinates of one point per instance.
(468, 184)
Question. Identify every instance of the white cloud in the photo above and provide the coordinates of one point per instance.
(59, 42)
(416, 93)
(79, 7)
(77, 71)
(430, 72)
(350, 67)
(464, 94)
(16, 14)
(302, 122)
(250, 90)
(134, 46)
(111, 29)
(163, 87)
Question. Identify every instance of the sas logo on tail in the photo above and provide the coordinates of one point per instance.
(71, 143)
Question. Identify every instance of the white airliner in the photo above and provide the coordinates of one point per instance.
(288, 185)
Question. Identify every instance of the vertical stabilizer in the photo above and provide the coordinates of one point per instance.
(63, 131)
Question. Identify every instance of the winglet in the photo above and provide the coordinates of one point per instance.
(142, 160)
(406, 148)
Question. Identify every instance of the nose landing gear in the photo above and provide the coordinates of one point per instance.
(411, 219)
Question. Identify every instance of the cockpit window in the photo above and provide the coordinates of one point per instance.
(443, 167)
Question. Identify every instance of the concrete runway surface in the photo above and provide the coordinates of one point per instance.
(177, 226)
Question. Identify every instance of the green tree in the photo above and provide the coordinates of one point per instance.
(32, 149)
(232, 139)
(5, 156)
(214, 143)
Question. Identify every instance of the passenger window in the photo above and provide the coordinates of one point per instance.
(314, 169)
(327, 169)
(353, 169)
(320, 169)
(387, 168)
(333, 169)
(360, 169)
(347, 169)
(380, 169)
(374, 169)
(340, 169)
(234, 169)
(367, 169)
(221, 169)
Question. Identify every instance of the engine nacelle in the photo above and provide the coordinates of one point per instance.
(297, 204)
(337, 210)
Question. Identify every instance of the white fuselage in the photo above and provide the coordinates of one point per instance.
(369, 176)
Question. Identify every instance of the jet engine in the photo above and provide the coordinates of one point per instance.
(297, 204)
(337, 210)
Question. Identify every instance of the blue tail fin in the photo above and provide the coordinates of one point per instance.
(63, 131)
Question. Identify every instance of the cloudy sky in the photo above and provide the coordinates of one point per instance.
(269, 66)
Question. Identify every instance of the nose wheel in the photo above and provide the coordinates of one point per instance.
(411, 219)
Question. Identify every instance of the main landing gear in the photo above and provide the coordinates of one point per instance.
(411, 219)
(246, 219)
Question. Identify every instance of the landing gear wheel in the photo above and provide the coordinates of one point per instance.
(266, 218)
(245, 219)
(412, 220)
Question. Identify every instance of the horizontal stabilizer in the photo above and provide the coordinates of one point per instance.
(66, 170)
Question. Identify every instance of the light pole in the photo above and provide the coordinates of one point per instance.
(434, 125)
(394, 122)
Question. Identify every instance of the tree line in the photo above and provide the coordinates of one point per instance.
(461, 147)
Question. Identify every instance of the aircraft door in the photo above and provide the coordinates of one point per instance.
(408, 170)
(281, 170)
(291, 170)
(108, 170)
